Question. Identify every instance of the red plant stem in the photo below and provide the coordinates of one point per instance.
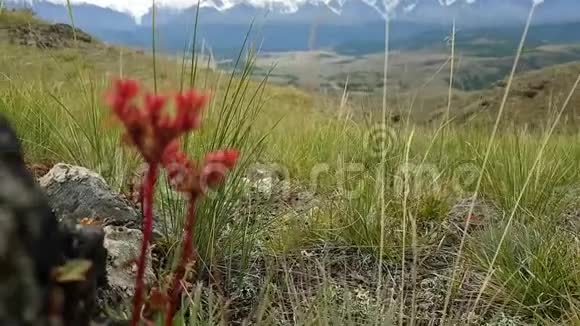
(147, 200)
(186, 253)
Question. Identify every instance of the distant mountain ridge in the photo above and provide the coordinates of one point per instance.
(314, 24)
(472, 12)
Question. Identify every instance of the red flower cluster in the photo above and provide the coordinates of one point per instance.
(155, 134)
(190, 178)
(149, 128)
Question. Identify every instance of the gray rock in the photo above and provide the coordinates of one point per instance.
(259, 171)
(75, 193)
(270, 185)
(264, 178)
(123, 247)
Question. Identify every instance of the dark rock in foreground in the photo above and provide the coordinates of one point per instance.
(34, 247)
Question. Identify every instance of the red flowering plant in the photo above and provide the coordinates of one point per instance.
(155, 133)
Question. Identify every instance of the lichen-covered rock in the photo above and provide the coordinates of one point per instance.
(269, 189)
(76, 193)
(261, 179)
(123, 247)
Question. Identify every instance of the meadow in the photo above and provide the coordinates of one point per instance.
(427, 224)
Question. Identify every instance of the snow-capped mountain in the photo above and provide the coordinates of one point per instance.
(282, 25)
(478, 12)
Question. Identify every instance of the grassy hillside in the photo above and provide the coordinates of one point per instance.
(367, 226)
(535, 99)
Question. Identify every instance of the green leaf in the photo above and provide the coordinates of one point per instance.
(74, 270)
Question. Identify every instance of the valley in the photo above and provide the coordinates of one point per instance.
(409, 70)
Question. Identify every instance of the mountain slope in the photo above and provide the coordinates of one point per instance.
(535, 99)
